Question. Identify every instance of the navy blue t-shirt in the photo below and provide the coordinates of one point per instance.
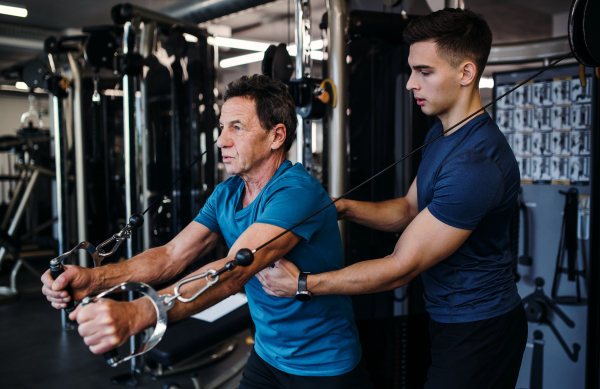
(470, 180)
(315, 338)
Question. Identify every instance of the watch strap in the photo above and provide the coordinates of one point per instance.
(302, 281)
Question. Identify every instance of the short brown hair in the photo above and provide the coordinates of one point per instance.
(274, 104)
(459, 34)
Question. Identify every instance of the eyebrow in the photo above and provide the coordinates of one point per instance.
(419, 67)
(236, 121)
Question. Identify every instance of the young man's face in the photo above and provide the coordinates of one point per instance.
(434, 83)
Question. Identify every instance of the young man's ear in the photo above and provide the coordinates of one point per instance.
(469, 73)
(280, 133)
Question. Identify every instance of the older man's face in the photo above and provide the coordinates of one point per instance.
(243, 142)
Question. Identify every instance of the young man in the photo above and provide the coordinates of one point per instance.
(455, 218)
(297, 345)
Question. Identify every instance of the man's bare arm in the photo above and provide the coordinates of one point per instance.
(391, 215)
(117, 321)
(425, 242)
(152, 266)
(162, 263)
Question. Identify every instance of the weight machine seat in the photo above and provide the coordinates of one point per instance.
(187, 337)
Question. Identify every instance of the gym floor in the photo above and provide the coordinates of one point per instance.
(36, 353)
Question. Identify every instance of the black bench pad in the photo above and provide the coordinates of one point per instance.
(190, 336)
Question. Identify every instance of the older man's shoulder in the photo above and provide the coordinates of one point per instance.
(297, 176)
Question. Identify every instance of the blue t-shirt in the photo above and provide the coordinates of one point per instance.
(470, 180)
(315, 338)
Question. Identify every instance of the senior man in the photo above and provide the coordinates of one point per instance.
(298, 345)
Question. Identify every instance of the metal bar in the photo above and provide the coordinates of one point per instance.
(202, 11)
(127, 135)
(24, 200)
(126, 12)
(531, 51)
(58, 162)
(303, 69)
(59, 173)
(303, 30)
(80, 180)
(300, 140)
(20, 210)
(593, 317)
(146, 46)
(129, 169)
(338, 116)
(454, 4)
(13, 201)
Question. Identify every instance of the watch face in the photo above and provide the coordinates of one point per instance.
(303, 296)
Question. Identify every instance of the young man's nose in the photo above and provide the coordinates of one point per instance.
(412, 84)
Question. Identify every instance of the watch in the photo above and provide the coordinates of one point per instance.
(302, 294)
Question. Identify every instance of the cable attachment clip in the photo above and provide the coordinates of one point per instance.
(96, 96)
(135, 221)
(244, 257)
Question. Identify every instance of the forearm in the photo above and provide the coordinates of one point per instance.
(159, 264)
(372, 276)
(229, 283)
(390, 216)
(151, 267)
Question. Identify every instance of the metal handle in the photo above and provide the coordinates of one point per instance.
(161, 304)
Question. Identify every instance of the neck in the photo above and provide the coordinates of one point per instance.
(466, 105)
(260, 175)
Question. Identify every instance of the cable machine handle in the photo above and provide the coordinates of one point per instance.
(55, 271)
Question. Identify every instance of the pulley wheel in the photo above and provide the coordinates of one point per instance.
(584, 32)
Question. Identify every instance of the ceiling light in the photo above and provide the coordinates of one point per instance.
(486, 82)
(260, 47)
(238, 43)
(13, 11)
(21, 85)
(190, 38)
(242, 60)
(314, 45)
(257, 57)
(255, 45)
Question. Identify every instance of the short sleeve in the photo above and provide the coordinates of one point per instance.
(292, 200)
(467, 187)
(208, 214)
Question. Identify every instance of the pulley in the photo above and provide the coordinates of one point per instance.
(584, 32)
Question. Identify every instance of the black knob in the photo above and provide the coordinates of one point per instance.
(539, 281)
(538, 335)
(244, 257)
(536, 312)
(136, 220)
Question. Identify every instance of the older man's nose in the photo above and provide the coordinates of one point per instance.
(223, 140)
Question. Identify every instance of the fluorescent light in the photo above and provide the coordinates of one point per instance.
(317, 55)
(257, 57)
(21, 85)
(255, 45)
(314, 45)
(13, 11)
(260, 47)
(190, 38)
(486, 82)
(238, 43)
(242, 60)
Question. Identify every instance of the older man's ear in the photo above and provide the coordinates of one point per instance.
(279, 137)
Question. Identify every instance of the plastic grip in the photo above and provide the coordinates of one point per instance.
(57, 271)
